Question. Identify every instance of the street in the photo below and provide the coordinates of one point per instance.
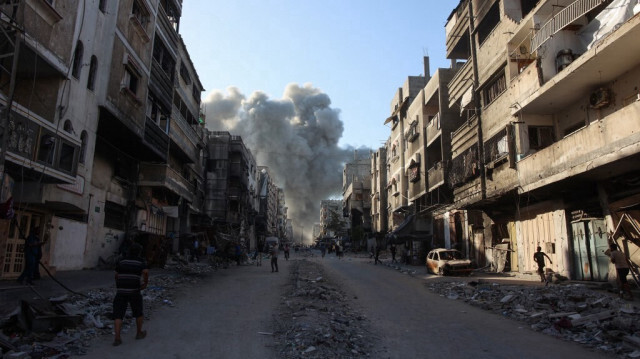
(232, 315)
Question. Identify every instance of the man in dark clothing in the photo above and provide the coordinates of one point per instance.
(32, 255)
(376, 255)
(538, 257)
(129, 271)
(393, 249)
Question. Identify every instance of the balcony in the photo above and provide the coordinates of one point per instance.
(161, 84)
(597, 66)
(457, 33)
(460, 83)
(595, 147)
(161, 175)
(435, 175)
(37, 150)
(156, 139)
(562, 19)
(433, 129)
(184, 136)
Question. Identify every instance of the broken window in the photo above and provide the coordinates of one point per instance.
(540, 137)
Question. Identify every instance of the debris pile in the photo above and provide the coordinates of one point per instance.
(573, 312)
(317, 321)
(63, 326)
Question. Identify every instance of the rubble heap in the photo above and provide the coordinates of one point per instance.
(64, 326)
(573, 312)
(317, 321)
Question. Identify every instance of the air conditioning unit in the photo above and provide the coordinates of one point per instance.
(600, 98)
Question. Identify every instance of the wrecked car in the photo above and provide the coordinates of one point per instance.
(442, 261)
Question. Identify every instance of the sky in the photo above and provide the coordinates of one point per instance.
(308, 84)
(358, 52)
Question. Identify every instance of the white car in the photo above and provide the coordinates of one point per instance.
(442, 261)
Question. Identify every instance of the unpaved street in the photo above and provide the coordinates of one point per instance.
(221, 318)
(234, 312)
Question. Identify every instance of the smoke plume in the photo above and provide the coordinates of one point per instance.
(295, 136)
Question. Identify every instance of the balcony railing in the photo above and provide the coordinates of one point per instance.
(566, 16)
(460, 83)
(161, 175)
(435, 174)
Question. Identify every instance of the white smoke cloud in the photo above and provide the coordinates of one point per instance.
(295, 136)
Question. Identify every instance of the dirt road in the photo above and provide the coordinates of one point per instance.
(222, 318)
(233, 314)
(416, 323)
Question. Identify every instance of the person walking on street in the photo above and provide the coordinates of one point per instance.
(376, 251)
(32, 255)
(323, 249)
(393, 250)
(622, 270)
(538, 257)
(273, 251)
(129, 273)
(286, 251)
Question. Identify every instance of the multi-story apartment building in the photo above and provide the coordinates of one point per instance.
(549, 146)
(403, 151)
(110, 147)
(332, 222)
(356, 197)
(231, 187)
(267, 217)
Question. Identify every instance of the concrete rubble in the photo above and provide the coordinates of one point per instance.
(66, 324)
(317, 321)
(573, 312)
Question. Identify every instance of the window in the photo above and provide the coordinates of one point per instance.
(140, 13)
(184, 73)
(102, 5)
(495, 88)
(83, 146)
(131, 78)
(66, 160)
(163, 57)
(157, 114)
(540, 137)
(77, 60)
(46, 148)
(68, 127)
(412, 133)
(114, 215)
(93, 67)
(497, 147)
(489, 22)
(195, 92)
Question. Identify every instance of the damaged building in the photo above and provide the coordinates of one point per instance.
(115, 146)
(529, 139)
